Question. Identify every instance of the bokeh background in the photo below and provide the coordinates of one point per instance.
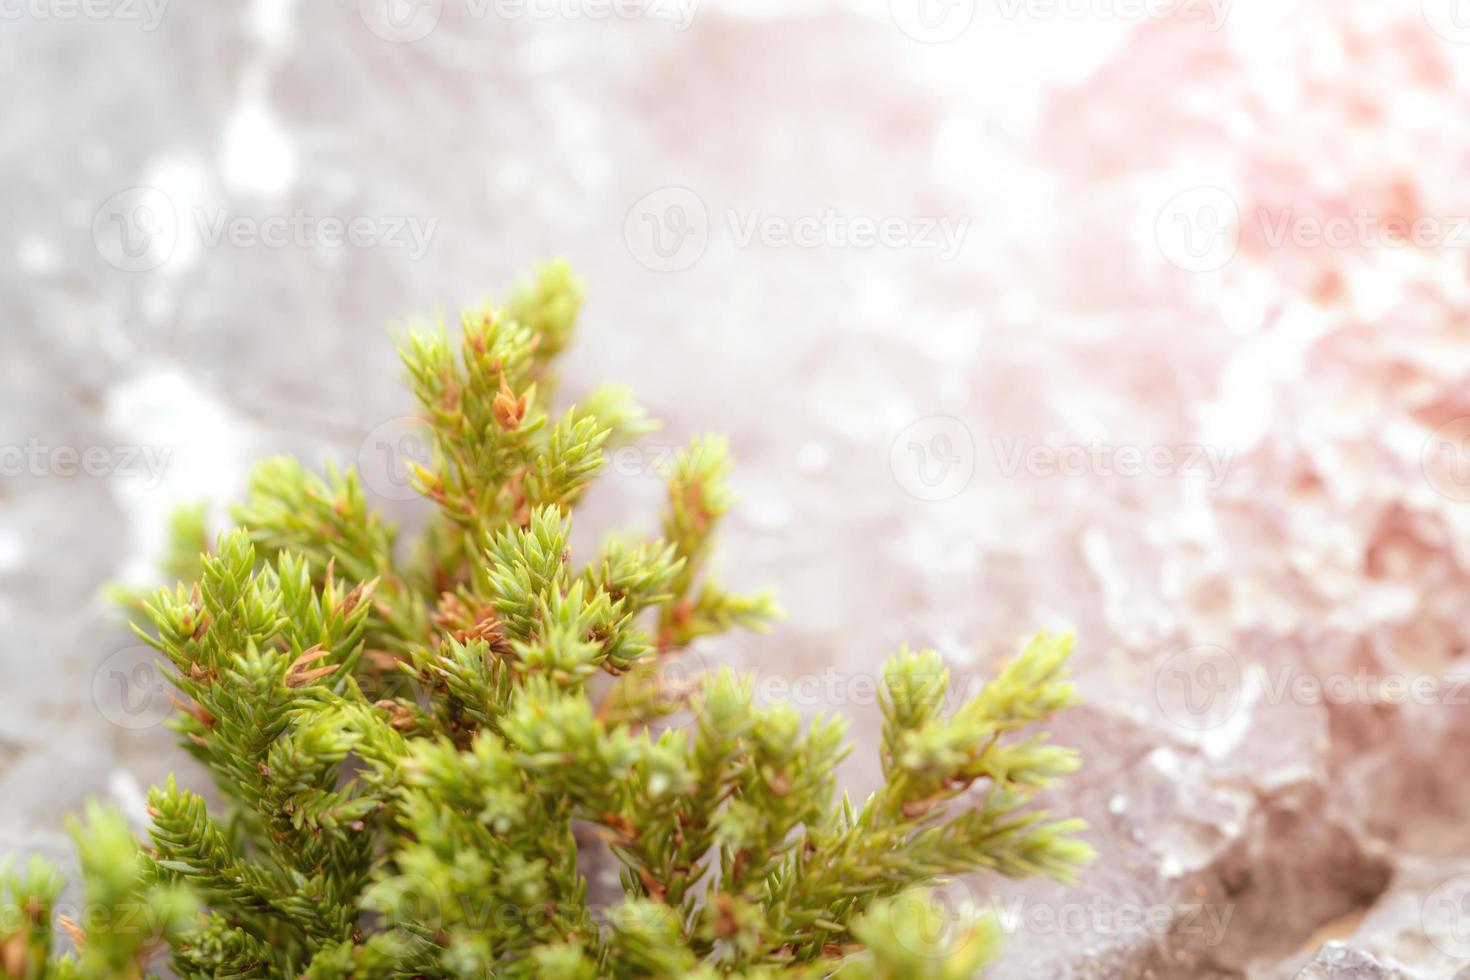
(1146, 318)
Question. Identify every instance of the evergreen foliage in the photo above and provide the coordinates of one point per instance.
(421, 747)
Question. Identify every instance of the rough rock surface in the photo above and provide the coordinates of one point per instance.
(1149, 393)
(1336, 961)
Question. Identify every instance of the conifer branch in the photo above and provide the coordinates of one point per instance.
(418, 742)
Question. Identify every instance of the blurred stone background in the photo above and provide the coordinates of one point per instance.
(1148, 318)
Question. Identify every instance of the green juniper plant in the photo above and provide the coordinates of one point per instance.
(422, 749)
